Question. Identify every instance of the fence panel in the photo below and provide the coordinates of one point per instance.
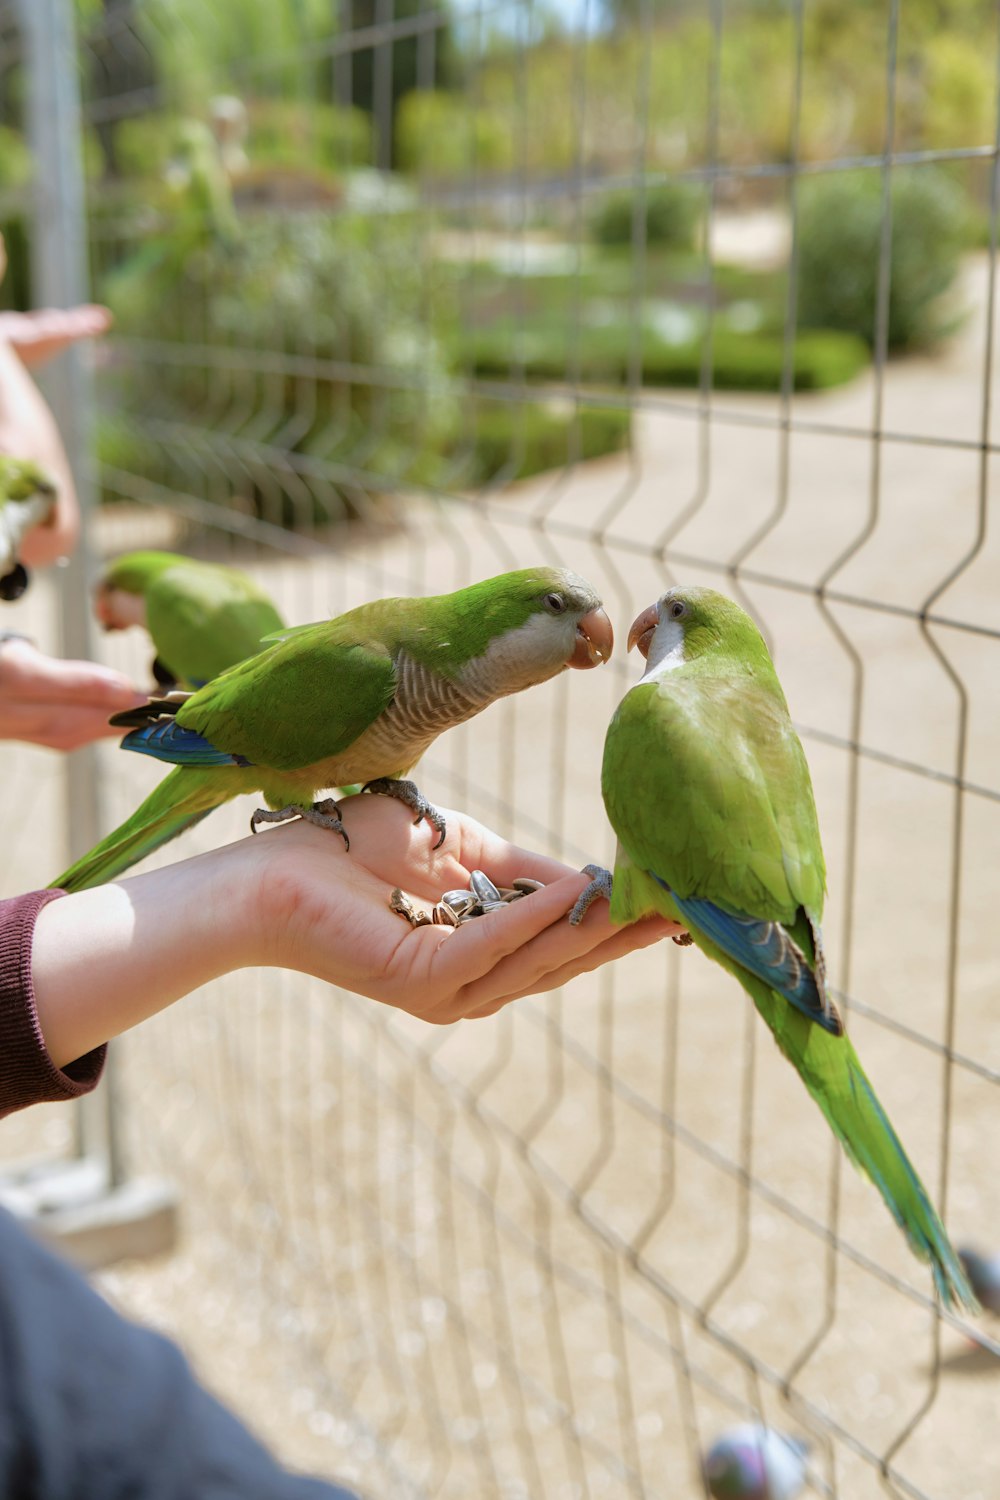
(369, 341)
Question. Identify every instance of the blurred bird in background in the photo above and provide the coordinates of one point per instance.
(751, 1462)
(202, 617)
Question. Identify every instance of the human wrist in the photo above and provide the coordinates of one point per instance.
(105, 959)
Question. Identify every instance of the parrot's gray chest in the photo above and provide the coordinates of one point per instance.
(424, 705)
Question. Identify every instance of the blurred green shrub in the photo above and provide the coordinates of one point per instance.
(440, 134)
(15, 160)
(339, 313)
(143, 144)
(282, 133)
(740, 361)
(840, 233)
(672, 215)
(290, 133)
(15, 289)
(514, 442)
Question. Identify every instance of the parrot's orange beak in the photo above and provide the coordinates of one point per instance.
(642, 629)
(595, 640)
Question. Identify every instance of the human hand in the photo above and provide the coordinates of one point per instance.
(41, 334)
(61, 704)
(27, 426)
(105, 959)
(325, 912)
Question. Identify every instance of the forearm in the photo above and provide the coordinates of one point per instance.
(103, 960)
(28, 430)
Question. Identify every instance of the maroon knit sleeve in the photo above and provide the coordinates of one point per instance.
(27, 1073)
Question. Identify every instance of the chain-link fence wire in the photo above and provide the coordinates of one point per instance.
(555, 1252)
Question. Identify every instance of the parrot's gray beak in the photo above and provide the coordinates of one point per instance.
(595, 640)
(641, 632)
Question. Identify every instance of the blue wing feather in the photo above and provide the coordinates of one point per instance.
(167, 740)
(766, 949)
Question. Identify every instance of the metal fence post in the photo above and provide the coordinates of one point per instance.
(59, 270)
(93, 1208)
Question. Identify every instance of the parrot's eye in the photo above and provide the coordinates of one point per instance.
(677, 609)
(556, 603)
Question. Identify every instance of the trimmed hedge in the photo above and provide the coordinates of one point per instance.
(740, 361)
(532, 439)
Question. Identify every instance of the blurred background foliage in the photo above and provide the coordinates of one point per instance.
(365, 209)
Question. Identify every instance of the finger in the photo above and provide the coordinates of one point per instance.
(504, 951)
(59, 726)
(42, 678)
(38, 336)
(559, 949)
(504, 861)
(468, 847)
(624, 940)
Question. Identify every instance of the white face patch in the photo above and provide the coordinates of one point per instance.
(535, 650)
(666, 650)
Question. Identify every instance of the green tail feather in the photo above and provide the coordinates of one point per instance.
(182, 799)
(831, 1071)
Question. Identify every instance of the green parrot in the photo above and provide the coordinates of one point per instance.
(354, 699)
(27, 499)
(706, 785)
(203, 617)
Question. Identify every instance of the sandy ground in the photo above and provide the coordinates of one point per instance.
(552, 1253)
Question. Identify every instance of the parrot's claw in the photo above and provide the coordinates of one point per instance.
(600, 885)
(408, 793)
(325, 814)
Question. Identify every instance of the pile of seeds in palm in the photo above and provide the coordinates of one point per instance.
(456, 907)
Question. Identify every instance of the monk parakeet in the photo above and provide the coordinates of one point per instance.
(358, 698)
(27, 499)
(706, 785)
(203, 617)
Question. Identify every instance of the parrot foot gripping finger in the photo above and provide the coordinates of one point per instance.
(600, 885)
(325, 814)
(408, 793)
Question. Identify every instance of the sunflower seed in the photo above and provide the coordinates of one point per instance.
(483, 886)
(443, 915)
(524, 886)
(459, 901)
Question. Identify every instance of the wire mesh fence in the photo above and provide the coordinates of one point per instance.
(369, 341)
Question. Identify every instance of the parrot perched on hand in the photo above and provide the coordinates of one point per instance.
(27, 499)
(203, 617)
(750, 1462)
(707, 787)
(354, 699)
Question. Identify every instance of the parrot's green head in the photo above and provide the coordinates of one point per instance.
(120, 596)
(687, 623)
(517, 629)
